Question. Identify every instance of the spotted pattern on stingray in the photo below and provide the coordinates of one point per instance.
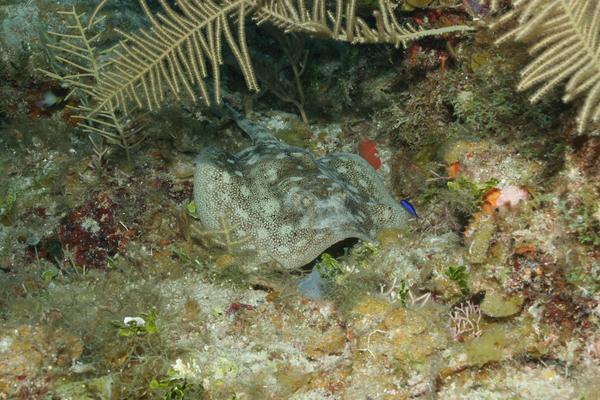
(288, 205)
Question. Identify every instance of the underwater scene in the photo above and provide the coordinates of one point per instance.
(300, 199)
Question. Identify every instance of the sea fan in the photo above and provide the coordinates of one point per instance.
(566, 48)
(185, 44)
(177, 52)
(77, 52)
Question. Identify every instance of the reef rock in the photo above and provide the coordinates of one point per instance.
(287, 206)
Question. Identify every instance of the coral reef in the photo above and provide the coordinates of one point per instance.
(111, 289)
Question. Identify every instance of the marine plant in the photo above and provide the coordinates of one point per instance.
(565, 44)
(77, 52)
(137, 326)
(467, 195)
(8, 198)
(329, 267)
(173, 387)
(287, 69)
(465, 320)
(581, 217)
(184, 46)
(185, 43)
(460, 275)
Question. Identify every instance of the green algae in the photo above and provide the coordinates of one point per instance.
(175, 388)
(328, 266)
(8, 199)
(459, 275)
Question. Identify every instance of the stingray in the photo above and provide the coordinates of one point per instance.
(284, 204)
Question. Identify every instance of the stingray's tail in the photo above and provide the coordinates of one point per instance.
(256, 131)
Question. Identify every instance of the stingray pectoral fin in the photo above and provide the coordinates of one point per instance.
(319, 245)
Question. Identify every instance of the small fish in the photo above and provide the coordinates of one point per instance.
(477, 8)
(409, 207)
(49, 100)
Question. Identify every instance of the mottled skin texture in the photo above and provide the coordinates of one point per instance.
(288, 206)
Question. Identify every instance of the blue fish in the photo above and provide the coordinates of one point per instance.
(409, 207)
